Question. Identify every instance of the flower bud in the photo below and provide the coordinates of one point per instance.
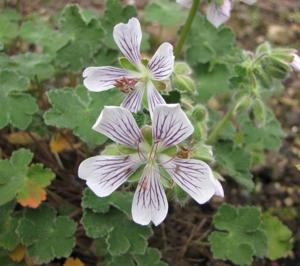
(199, 113)
(182, 80)
(182, 68)
(264, 48)
(275, 67)
(259, 112)
(184, 83)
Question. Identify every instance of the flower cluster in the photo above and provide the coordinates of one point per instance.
(153, 150)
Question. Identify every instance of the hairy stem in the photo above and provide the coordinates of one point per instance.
(186, 28)
(216, 131)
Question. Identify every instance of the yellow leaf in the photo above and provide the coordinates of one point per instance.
(18, 253)
(60, 143)
(73, 262)
(22, 137)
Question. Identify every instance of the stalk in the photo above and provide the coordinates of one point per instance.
(186, 28)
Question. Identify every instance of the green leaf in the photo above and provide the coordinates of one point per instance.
(167, 13)
(279, 237)
(84, 39)
(212, 81)
(78, 109)
(124, 260)
(115, 13)
(8, 224)
(267, 137)
(17, 107)
(31, 65)
(239, 237)
(150, 258)
(236, 161)
(17, 179)
(119, 200)
(9, 29)
(37, 30)
(209, 44)
(122, 235)
(46, 235)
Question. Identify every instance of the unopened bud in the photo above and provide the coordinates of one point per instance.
(259, 112)
(182, 68)
(199, 113)
(184, 83)
(264, 48)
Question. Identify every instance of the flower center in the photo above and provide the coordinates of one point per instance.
(126, 85)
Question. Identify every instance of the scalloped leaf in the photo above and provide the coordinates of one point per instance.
(46, 235)
(239, 236)
(78, 109)
(21, 181)
(17, 107)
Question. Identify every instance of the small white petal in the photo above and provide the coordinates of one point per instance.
(218, 187)
(161, 64)
(193, 176)
(217, 15)
(170, 125)
(185, 3)
(128, 37)
(133, 101)
(118, 124)
(104, 174)
(103, 78)
(149, 201)
(154, 97)
(249, 2)
(295, 64)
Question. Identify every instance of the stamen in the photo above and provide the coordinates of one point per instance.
(126, 85)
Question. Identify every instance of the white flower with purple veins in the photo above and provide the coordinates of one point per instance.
(135, 81)
(170, 126)
(219, 14)
(295, 64)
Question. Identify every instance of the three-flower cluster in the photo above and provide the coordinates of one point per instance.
(151, 149)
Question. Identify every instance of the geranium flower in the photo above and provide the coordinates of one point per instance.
(170, 126)
(219, 14)
(295, 64)
(216, 14)
(134, 82)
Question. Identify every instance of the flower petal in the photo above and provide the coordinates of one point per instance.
(170, 125)
(219, 189)
(295, 64)
(118, 124)
(193, 176)
(249, 2)
(103, 78)
(128, 37)
(154, 97)
(161, 64)
(133, 101)
(104, 174)
(217, 15)
(149, 201)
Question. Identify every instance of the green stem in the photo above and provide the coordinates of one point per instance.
(216, 131)
(186, 28)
